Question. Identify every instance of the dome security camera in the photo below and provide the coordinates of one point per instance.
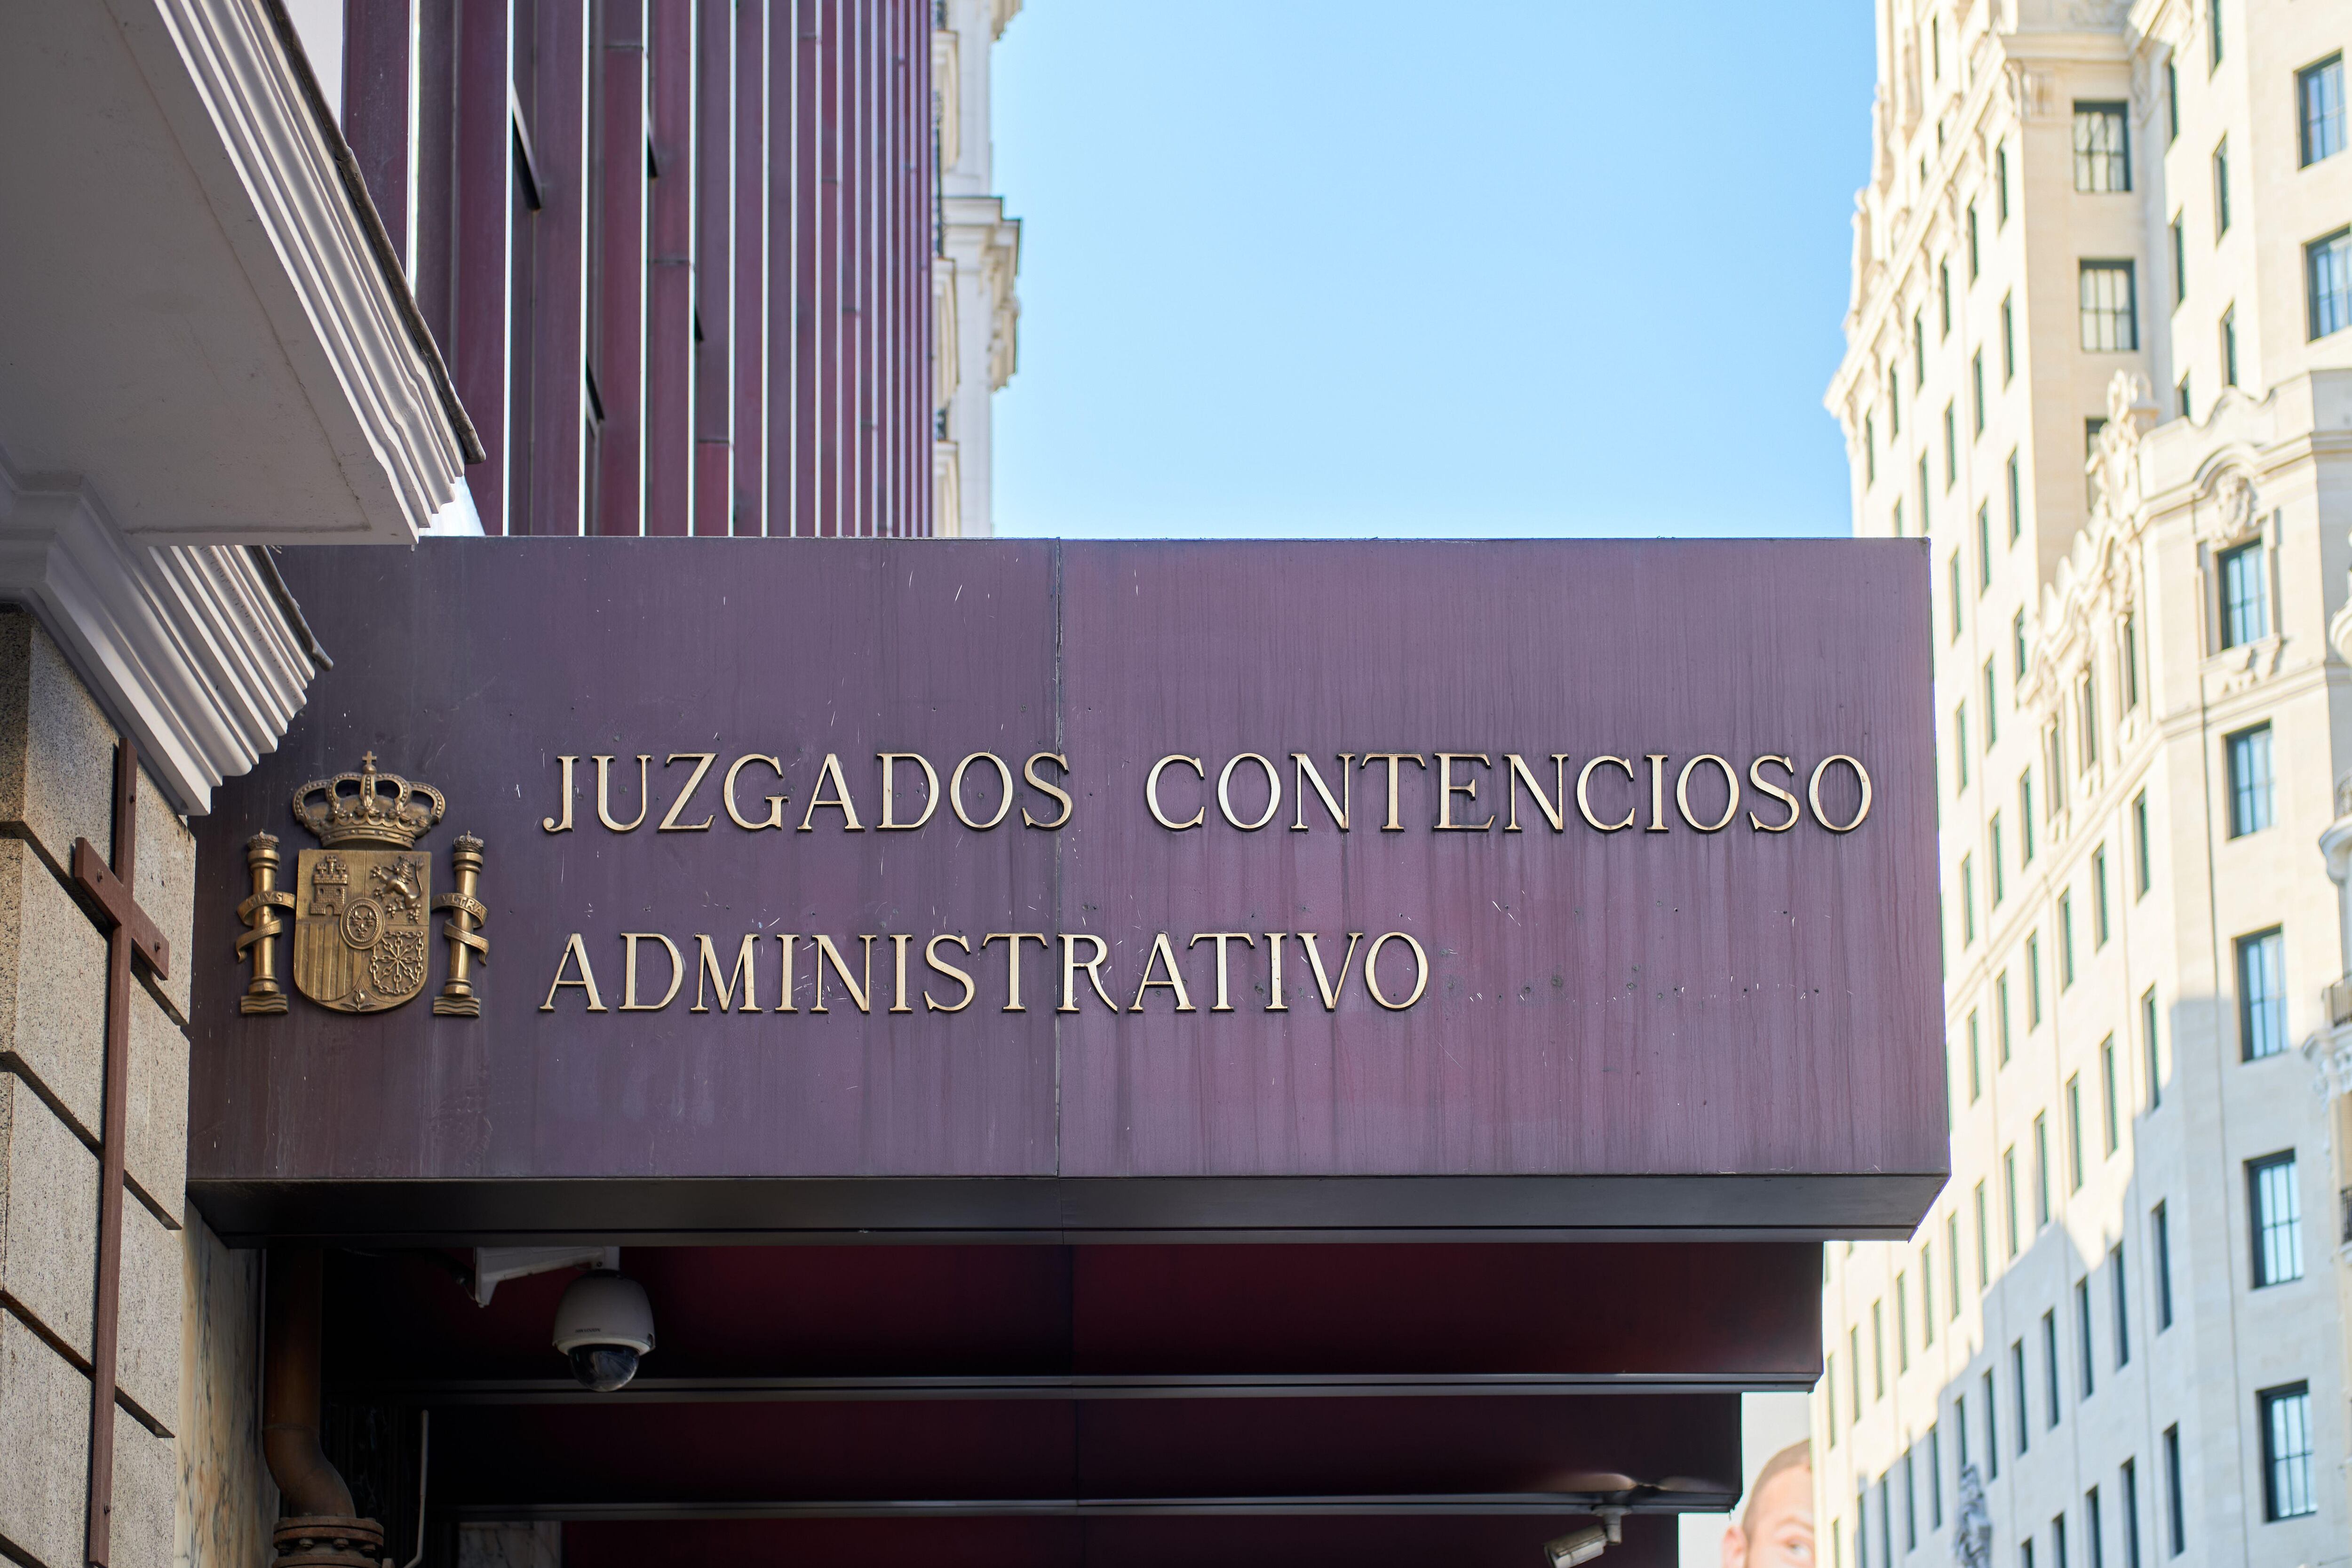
(604, 1324)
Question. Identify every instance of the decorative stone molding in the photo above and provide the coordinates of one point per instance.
(188, 648)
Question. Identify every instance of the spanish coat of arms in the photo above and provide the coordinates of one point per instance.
(363, 900)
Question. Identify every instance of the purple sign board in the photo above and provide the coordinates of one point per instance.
(1091, 889)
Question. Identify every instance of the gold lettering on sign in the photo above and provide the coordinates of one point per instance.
(775, 818)
(747, 970)
(1448, 789)
(575, 952)
(563, 823)
(1273, 792)
(1029, 772)
(1731, 794)
(1276, 1003)
(1221, 938)
(898, 941)
(1372, 971)
(1304, 777)
(1813, 794)
(1756, 776)
(604, 794)
(831, 769)
(669, 822)
(890, 795)
(931, 957)
(1004, 794)
(1584, 800)
(1657, 761)
(1012, 941)
(1161, 951)
(1394, 758)
(784, 1003)
(1324, 983)
(1093, 966)
(861, 991)
(1555, 811)
(630, 939)
(1151, 795)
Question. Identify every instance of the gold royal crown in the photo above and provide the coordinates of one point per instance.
(381, 808)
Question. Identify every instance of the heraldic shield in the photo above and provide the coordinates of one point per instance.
(364, 899)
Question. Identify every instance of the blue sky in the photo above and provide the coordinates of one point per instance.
(1493, 267)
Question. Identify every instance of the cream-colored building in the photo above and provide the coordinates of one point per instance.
(2098, 356)
(979, 316)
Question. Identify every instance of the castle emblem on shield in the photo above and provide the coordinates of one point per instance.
(363, 900)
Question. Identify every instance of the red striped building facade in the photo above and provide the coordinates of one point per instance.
(677, 253)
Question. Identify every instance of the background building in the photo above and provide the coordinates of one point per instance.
(2098, 358)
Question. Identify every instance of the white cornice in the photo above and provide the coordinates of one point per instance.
(186, 648)
(233, 105)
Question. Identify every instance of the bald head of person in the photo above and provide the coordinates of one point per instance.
(1775, 1529)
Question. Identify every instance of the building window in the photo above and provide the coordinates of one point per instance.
(2057, 1535)
(2050, 1397)
(2054, 758)
(2130, 644)
(2017, 630)
(1853, 1358)
(2261, 995)
(2109, 308)
(1894, 402)
(2212, 35)
(1984, 1243)
(2000, 1014)
(2148, 1033)
(1984, 550)
(2250, 781)
(2230, 346)
(2091, 468)
(2065, 940)
(1992, 705)
(2032, 984)
(1952, 1261)
(1869, 450)
(1897, 524)
(2011, 1235)
(2245, 596)
(2286, 1452)
(2099, 923)
(2102, 148)
(1919, 348)
(2180, 396)
(1829, 1391)
(2161, 1222)
(2171, 130)
(2319, 91)
(2017, 1388)
(1951, 448)
(2074, 1132)
(2275, 1212)
(1910, 1506)
(2130, 1473)
(2086, 712)
(2176, 1516)
(2120, 1293)
(2083, 1353)
(2000, 880)
(1960, 748)
(1992, 1430)
(1976, 1062)
(1951, 572)
(2008, 340)
(2096, 1528)
(2041, 1171)
(1928, 1293)
(2142, 876)
(1926, 525)
(1877, 1351)
(1968, 901)
(2180, 259)
(1943, 301)
(2327, 265)
(2001, 185)
(1976, 265)
(1935, 1477)
(2220, 189)
(1902, 1324)
(2025, 816)
(2110, 1106)
(1976, 393)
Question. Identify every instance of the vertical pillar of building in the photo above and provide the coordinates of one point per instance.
(482, 320)
(621, 269)
(555, 499)
(714, 269)
(763, 65)
(672, 68)
(380, 82)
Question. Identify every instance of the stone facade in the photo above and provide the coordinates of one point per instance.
(2112, 1326)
